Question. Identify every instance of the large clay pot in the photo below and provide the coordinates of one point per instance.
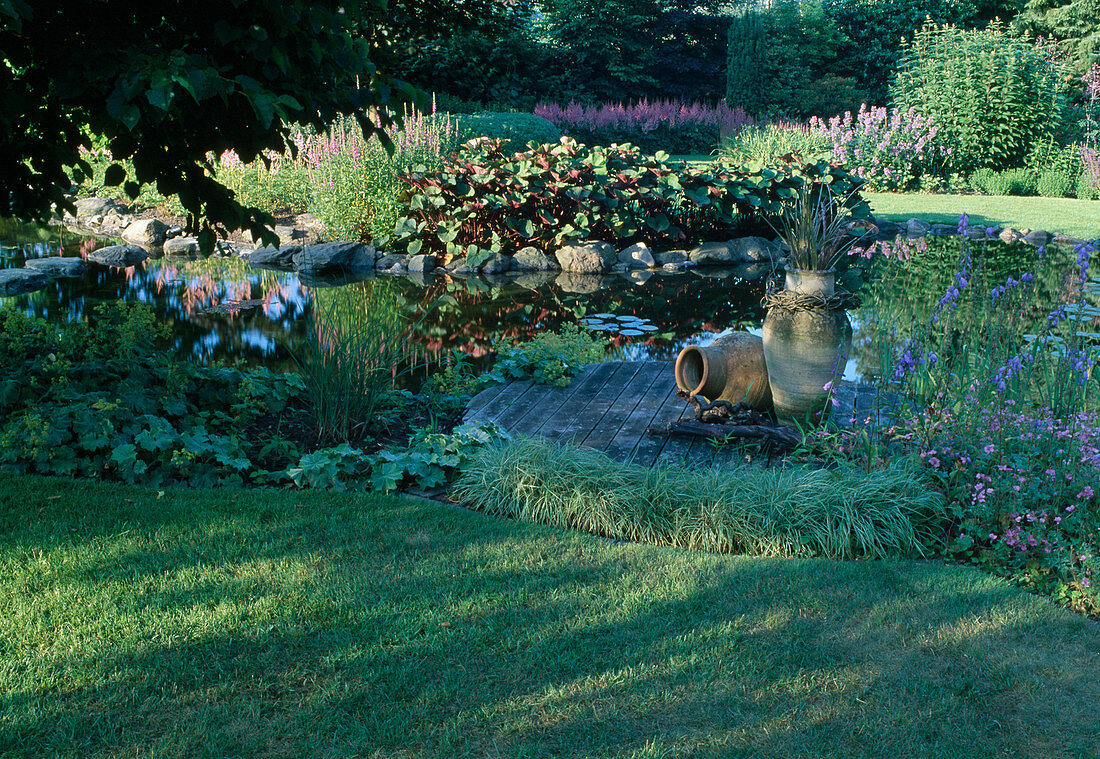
(731, 368)
(805, 349)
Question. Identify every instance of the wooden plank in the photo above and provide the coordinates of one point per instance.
(576, 428)
(480, 400)
(527, 414)
(587, 385)
(511, 393)
(700, 454)
(634, 428)
(623, 406)
(650, 448)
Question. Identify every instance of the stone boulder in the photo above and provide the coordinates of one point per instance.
(285, 234)
(19, 281)
(887, 228)
(346, 256)
(421, 263)
(56, 266)
(1061, 239)
(269, 255)
(664, 258)
(714, 254)
(1038, 237)
(637, 256)
(532, 259)
(587, 258)
(393, 264)
(944, 230)
(498, 263)
(752, 250)
(918, 228)
(148, 233)
(1010, 235)
(119, 255)
(732, 252)
(86, 207)
(459, 268)
(182, 246)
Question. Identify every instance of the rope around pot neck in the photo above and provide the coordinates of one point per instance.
(788, 300)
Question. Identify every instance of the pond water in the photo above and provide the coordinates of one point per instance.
(225, 310)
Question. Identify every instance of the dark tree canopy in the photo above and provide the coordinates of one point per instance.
(166, 83)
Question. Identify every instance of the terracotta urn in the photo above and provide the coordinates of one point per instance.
(731, 368)
(806, 345)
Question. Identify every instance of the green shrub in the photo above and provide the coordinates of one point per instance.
(803, 72)
(1014, 182)
(766, 143)
(550, 358)
(1055, 184)
(284, 185)
(992, 95)
(1008, 182)
(357, 182)
(982, 180)
(102, 399)
(486, 201)
(842, 513)
(1085, 188)
(516, 129)
(875, 30)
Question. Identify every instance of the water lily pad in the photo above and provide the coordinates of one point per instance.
(646, 327)
(631, 332)
(606, 316)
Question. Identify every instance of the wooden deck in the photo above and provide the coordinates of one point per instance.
(611, 406)
(608, 406)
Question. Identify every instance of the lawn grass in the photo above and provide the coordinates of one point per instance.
(1079, 218)
(260, 623)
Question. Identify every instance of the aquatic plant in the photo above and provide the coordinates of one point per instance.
(358, 342)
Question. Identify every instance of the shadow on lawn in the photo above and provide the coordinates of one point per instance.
(432, 632)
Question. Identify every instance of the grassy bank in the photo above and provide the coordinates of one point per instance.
(1079, 218)
(253, 623)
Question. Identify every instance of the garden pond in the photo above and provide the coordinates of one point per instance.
(224, 310)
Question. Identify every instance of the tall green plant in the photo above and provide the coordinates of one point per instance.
(745, 62)
(356, 346)
(992, 94)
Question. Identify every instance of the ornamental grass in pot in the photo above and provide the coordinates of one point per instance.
(807, 335)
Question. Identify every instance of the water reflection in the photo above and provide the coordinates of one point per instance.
(224, 310)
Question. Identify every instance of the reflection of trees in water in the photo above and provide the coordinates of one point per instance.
(681, 307)
(905, 295)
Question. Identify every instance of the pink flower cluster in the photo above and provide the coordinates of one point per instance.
(892, 149)
(644, 116)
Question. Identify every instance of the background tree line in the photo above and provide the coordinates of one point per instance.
(809, 57)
